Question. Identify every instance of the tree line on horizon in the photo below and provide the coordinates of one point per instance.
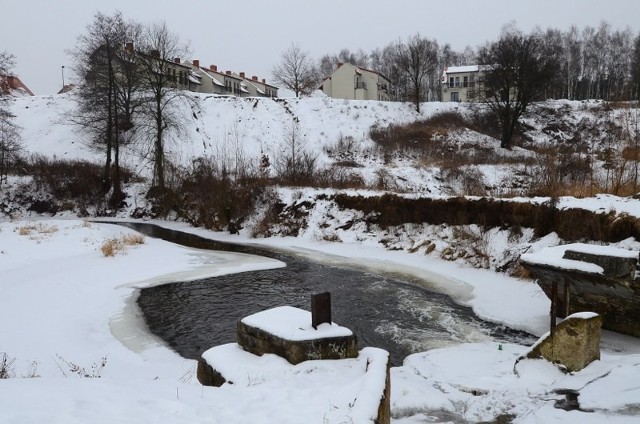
(593, 63)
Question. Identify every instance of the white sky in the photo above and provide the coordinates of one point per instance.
(250, 35)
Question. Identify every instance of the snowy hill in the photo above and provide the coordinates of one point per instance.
(452, 160)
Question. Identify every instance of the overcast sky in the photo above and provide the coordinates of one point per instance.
(249, 36)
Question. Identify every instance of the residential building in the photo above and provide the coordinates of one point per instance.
(355, 83)
(229, 83)
(259, 88)
(11, 85)
(461, 83)
(189, 75)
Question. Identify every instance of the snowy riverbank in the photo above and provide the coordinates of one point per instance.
(65, 303)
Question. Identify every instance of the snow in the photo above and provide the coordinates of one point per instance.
(64, 302)
(351, 387)
(553, 256)
(459, 69)
(293, 324)
(80, 293)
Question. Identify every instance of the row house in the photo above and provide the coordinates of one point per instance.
(355, 83)
(229, 83)
(189, 75)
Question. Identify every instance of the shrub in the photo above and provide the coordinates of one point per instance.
(391, 210)
(6, 366)
(217, 197)
(94, 371)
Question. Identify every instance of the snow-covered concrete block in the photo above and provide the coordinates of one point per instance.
(574, 344)
(287, 332)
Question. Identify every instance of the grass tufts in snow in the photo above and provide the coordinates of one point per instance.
(70, 368)
(6, 366)
(34, 230)
(113, 246)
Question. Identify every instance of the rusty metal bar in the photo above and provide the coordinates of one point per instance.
(320, 309)
(554, 306)
(566, 299)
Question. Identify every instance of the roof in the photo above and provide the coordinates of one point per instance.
(461, 69)
(258, 89)
(209, 72)
(11, 85)
(358, 70)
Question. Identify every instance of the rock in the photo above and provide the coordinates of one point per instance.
(207, 376)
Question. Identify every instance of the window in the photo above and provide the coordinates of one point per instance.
(455, 96)
(450, 82)
(457, 81)
(465, 82)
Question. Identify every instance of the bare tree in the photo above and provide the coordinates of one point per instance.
(105, 61)
(10, 143)
(162, 89)
(296, 71)
(295, 165)
(516, 73)
(329, 63)
(635, 69)
(418, 59)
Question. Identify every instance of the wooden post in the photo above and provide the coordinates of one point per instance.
(320, 309)
(554, 306)
(566, 299)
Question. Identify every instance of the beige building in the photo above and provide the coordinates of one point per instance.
(461, 84)
(354, 83)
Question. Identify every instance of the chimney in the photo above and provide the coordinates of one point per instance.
(129, 47)
(177, 60)
(254, 78)
(228, 72)
(242, 75)
(214, 68)
(196, 63)
(263, 81)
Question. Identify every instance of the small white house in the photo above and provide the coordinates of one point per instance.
(461, 83)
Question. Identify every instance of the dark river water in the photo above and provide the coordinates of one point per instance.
(392, 312)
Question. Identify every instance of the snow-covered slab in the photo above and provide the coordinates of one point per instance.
(348, 390)
(554, 256)
(293, 324)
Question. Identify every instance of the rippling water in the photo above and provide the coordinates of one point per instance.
(383, 311)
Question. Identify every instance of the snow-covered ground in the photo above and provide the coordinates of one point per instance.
(66, 304)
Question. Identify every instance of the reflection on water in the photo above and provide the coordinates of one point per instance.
(383, 311)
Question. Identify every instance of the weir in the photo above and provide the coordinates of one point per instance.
(588, 278)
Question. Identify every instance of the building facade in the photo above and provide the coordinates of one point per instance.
(354, 83)
(229, 83)
(461, 84)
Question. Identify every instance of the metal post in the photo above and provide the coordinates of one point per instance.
(62, 78)
(320, 309)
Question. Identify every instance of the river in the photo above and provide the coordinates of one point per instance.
(391, 311)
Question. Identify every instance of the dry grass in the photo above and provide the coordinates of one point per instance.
(113, 246)
(37, 229)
